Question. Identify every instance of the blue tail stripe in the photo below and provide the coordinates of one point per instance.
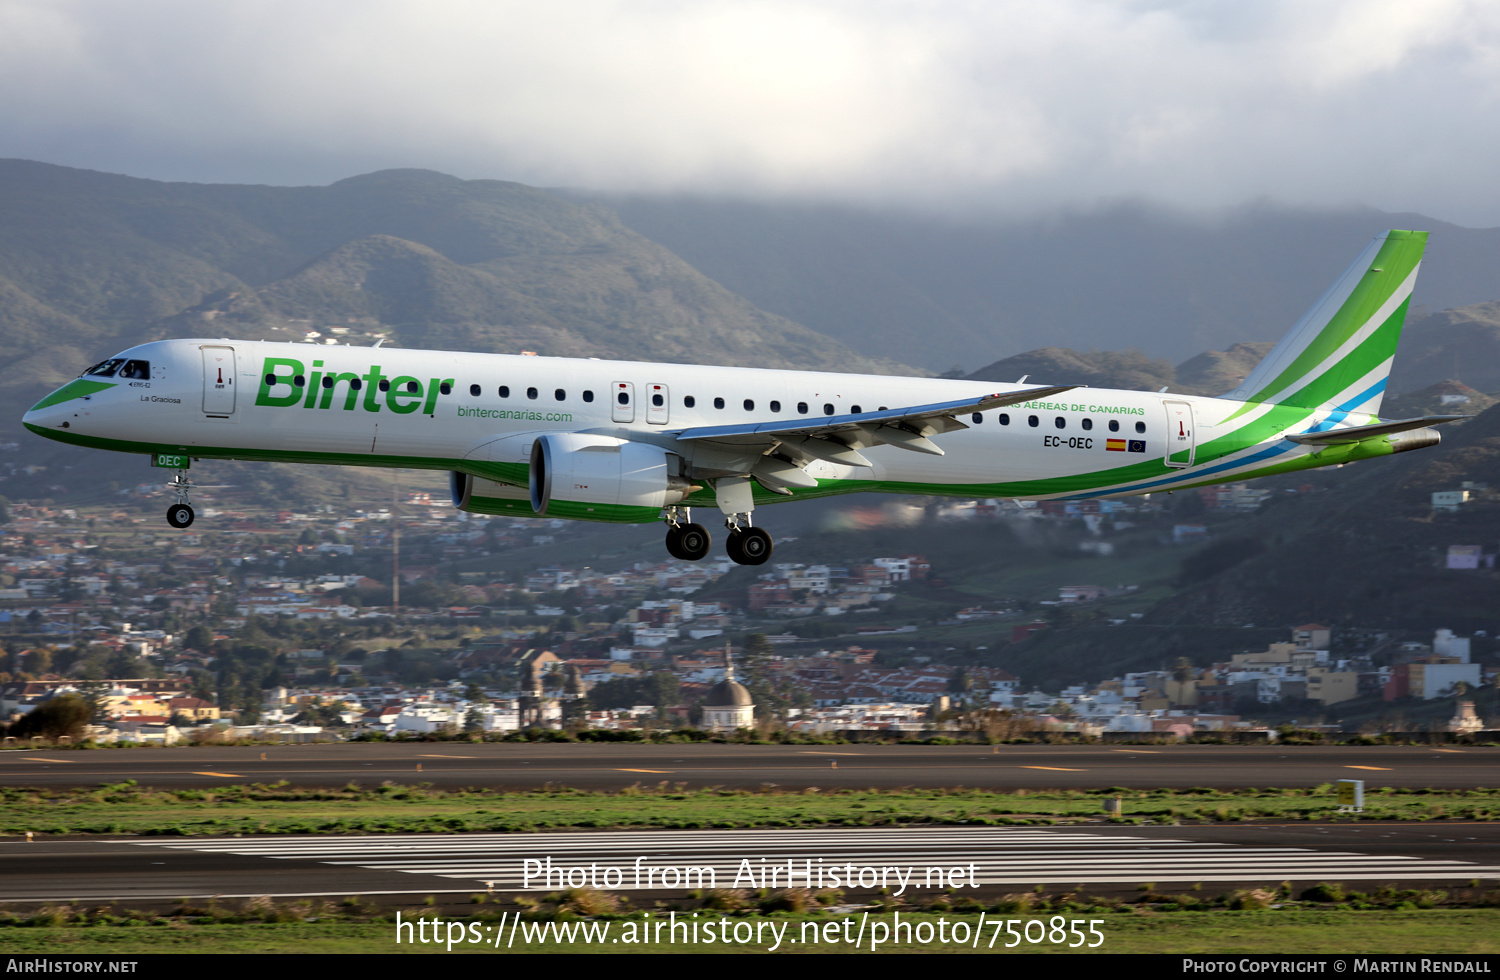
(1187, 476)
(1341, 412)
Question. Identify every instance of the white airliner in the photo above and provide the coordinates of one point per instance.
(637, 442)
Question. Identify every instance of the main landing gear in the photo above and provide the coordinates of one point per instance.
(746, 545)
(180, 514)
(690, 542)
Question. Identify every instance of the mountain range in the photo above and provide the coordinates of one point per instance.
(91, 263)
(944, 292)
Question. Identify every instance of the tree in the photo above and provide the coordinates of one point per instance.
(199, 638)
(66, 715)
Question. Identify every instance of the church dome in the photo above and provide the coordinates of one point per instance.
(727, 694)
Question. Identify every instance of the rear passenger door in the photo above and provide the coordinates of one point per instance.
(1180, 441)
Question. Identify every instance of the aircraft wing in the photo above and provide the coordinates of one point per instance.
(1357, 433)
(838, 438)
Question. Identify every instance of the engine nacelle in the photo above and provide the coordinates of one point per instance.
(601, 478)
(480, 496)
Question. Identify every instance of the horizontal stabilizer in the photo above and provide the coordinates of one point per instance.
(1358, 433)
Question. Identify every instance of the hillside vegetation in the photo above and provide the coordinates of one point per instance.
(92, 262)
(960, 291)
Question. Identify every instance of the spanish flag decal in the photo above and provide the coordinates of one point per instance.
(1115, 445)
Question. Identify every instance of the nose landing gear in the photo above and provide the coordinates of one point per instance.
(180, 514)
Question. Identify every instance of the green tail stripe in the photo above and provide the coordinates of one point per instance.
(1398, 256)
(1376, 350)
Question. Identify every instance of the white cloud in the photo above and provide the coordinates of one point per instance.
(1015, 104)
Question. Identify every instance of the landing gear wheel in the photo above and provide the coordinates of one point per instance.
(732, 548)
(751, 546)
(674, 542)
(693, 542)
(179, 515)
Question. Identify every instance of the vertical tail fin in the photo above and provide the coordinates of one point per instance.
(1339, 354)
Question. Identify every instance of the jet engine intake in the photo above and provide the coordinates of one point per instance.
(604, 478)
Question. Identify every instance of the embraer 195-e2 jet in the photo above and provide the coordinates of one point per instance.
(636, 442)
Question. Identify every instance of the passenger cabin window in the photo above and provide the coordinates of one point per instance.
(445, 389)
(718, 403)
(689, 401)
(827, 408)
(749, 404)
(385, 385)
(1033, 421)
(623, 398)
(776, 406)
(531, 393)
(1003, 418)
(1088, 424)
(802, 408)
(588, 396)
(559, 394)
(411, 386)
(1060, 422)
(657, 400)
(978, 417)
(505, 391)
(474, 390)
(299, 381)
(855, 409)
(1114, 425)
(1140, 427)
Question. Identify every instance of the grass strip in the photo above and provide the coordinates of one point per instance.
(126, 808)
(1123, 930)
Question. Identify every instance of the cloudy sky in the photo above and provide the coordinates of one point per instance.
(1013, 105)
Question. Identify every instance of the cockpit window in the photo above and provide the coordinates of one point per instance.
(107, 369)
(136, 370)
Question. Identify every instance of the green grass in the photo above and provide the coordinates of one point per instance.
(1124, 929)
(126, 808)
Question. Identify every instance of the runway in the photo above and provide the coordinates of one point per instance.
(520, 765)
(914, 861)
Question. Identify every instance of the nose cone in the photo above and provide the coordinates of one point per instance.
(51, 416)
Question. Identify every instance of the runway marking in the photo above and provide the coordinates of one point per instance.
(226, 775)
(429, 755)
(1453, 751)
(1371, 768)
(1137, 751)
(37, 758)
(1001, 856)
(1054, 768)
(646, 770)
